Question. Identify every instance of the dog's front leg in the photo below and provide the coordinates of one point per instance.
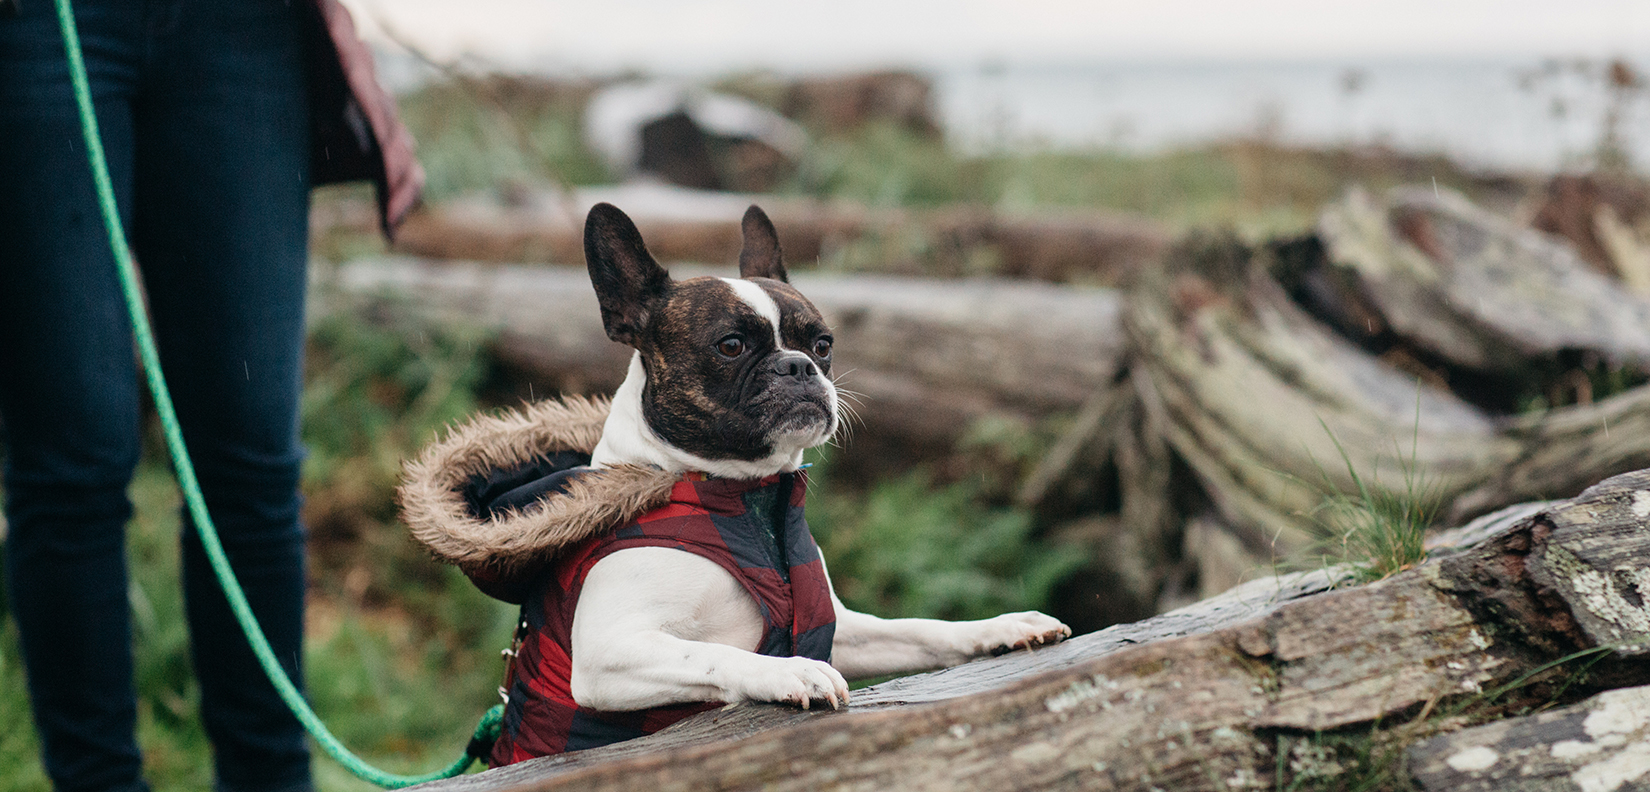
(868, 646)
(656, 626)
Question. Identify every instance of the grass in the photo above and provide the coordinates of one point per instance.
(402, 654)
(1256, 186)
(1375, 529)
(19, 769)
(401, 694)
(403, 651)
(487, 132)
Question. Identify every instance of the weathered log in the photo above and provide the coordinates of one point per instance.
(1604, 219)
(1270, 406)
(1262, 401)
(1560, 450)
(924, 358)
(716, 730)
(1477, 289)
(1198, 700)
(697, 226)
(1602, 743)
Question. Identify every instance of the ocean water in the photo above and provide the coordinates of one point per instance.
(1521, 114)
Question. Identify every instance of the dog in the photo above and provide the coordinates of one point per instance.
(657, 542)
(730, 377)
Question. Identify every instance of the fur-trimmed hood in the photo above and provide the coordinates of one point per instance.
(447, 493)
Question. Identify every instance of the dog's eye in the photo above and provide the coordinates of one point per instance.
(822, 348)
(732, 346)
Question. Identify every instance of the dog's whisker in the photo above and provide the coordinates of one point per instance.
(844, 426)
(847, 415)
(850, 396)
(844, 395)
(841, 438)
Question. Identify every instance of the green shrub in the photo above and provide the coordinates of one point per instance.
(909, 548)
(477, 134)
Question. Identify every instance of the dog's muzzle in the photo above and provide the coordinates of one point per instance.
(794, 365)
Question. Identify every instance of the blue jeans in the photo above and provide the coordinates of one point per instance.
(204, 112)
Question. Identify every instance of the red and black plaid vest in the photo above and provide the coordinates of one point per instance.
(753, 529)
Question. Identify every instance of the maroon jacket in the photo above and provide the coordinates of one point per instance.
(752, 528)
(356, 133)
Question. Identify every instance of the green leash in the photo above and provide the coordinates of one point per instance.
(487, 730)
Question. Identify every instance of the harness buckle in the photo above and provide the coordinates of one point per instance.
(509, 656)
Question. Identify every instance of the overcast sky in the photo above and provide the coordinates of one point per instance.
(714, 35)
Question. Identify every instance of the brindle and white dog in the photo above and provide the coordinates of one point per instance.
(730, 377)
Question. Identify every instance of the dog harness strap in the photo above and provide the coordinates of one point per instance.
(756, 530)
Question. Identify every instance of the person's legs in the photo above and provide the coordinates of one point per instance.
(222, 201)
(68, 393)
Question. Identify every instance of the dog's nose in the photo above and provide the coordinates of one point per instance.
(793, 365)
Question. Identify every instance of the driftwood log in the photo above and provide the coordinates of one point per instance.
(1261, 688)
(1476, 289)
(1600, 744)
(1606, 219)
(925, 359)
(1091, 246)
(1388, 351)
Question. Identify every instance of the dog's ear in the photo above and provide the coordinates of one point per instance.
(629, 283)
(759, 258)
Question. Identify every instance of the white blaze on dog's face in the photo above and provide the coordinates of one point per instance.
(730, 376)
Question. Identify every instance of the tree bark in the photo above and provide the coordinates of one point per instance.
(1207, 697)
(1602, 743)
(1475, 288)
(1273, 408)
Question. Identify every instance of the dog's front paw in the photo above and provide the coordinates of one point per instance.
(1023, 630)
(794, 680)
